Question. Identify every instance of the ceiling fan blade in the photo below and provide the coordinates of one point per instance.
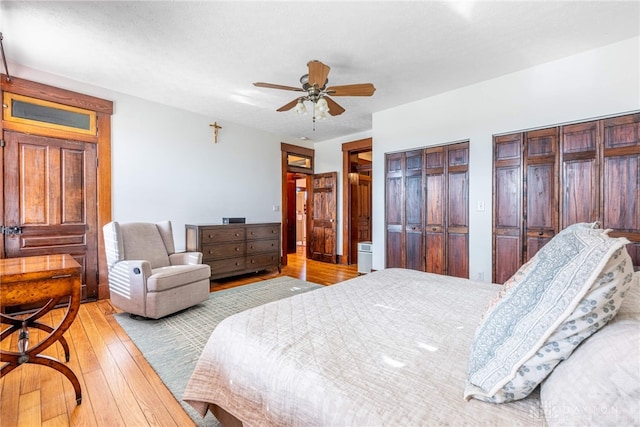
(361, 89)
(334, 108)
(318, 73)
(288, 106)
(274, 86)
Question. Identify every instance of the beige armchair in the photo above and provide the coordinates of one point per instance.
(146, 276)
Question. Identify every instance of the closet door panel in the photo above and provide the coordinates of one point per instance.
(621, 199)
(394, 201)
(435, 220)
(394, 211)
(435, 202)
(541, 186)
(622, 132)
(507, 257)
(507, 206)
(508, 197)
(435, 252)
(414, 228)
(413, 201)
(620, 202)
(579, 177)
(578, 199)
(457, 244)
(540, 197)
(457, 259)
(458, 200)
(435, 224)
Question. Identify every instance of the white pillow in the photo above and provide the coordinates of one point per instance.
(571, 288)
(600, 383)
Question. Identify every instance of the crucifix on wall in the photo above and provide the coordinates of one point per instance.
(215, 127)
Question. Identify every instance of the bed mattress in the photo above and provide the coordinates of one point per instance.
(386, 348)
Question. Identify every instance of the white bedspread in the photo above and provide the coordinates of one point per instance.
(388, 348)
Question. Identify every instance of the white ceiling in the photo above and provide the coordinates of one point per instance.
(204, 56)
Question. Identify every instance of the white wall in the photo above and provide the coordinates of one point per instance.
(165, 164)
(600, 82)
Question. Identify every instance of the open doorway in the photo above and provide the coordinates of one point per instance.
(297, 168)
(357, 201)
(301, 213)
(296, 212)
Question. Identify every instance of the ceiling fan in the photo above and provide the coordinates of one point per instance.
(314, 84)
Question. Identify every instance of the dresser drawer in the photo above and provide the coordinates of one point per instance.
(224, 266)
(263, 232)
(262, 261)
(223, 250)
(255, 246)
(222, 234)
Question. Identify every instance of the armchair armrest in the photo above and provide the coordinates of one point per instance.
(182, 258)
(128, 283)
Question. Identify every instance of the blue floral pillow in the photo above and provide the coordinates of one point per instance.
(570, 289)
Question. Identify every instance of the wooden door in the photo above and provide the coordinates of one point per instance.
(447, 210)
(540, 194)
(435, 210)
(457, 209)
(620, 180)
(394, 212)
(50, 194)
(507, 206)
(323, 225)
(414, 210)
(579, 175)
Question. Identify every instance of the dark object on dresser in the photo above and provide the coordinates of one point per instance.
(233, 220)
(234, 249)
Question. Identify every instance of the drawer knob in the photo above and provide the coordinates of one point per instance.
(540, 233)
(237, 249)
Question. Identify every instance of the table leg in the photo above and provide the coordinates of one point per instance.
(64, 369)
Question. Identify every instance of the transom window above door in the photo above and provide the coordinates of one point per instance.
(32, 111)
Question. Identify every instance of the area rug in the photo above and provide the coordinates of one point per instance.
(173, 344)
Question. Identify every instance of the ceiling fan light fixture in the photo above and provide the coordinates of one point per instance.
(322, 106)
(300, 107)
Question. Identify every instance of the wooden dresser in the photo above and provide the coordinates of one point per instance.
(233, 249)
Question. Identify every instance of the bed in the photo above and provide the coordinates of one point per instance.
(393, 348)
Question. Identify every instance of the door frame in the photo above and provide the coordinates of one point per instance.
(349, 148)
(104, 110)
(287, 149)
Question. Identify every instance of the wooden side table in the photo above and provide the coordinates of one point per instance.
(40, 279)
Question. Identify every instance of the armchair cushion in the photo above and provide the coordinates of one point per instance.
(164, 278)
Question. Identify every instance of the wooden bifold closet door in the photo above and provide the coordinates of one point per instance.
(545, 180)
(427, 209)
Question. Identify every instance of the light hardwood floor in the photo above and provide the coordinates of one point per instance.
(119, 388)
